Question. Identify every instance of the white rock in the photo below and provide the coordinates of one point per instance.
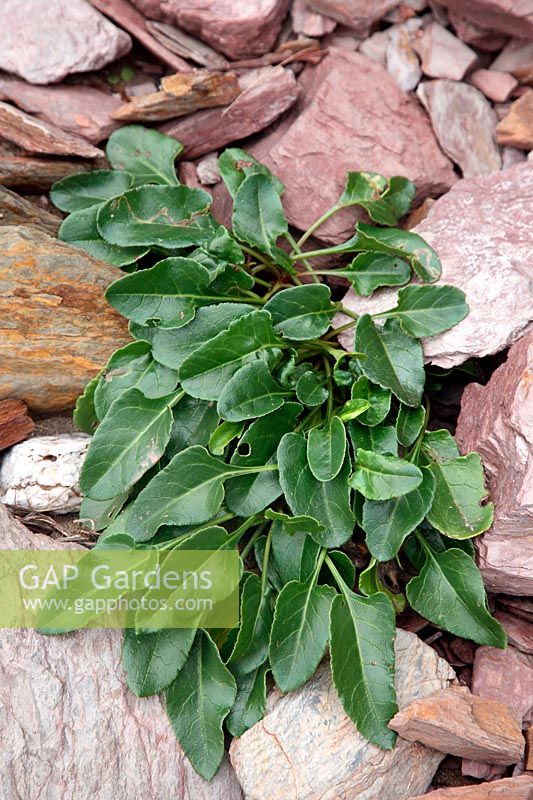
(207, 170)
(41, 474)
(306, 748)
(402, 60)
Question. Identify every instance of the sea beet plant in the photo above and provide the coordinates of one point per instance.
(235, 420)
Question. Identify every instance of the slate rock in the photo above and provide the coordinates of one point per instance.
(475, 35)
(308, 22)
(351, 116)
(482, 231)
(496, 421)
(516, 58)
(359, 15)
(17, 210)
(57, 329)
(495, 85)
(519, 631)
(71, 729)
(80, 110)
(464, 122)
(462, 724)
(507, 789)
(238, 28)
(516, 129)
(27, 173)
(36, 136)
(505, 676)
(45, 40)
(443, 54)
(506, 16)
(306, 747)
(15, 423)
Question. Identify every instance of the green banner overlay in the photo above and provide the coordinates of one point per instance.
(63, 590)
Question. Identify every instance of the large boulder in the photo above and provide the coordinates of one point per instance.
(352, 116)
(497, 421)
(45, 40)
(513, 17)
(57, 329)
(306, 748)
(482, 231)
(70, 726)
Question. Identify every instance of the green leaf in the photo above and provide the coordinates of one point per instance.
(326, 447)
(223, 435)
(251, 392)
(147, 154)
(457, 509)
(162, 216)
(168, 293)
(399, 195)
(381, 477)
(84, 414)
(197, 703)
(345, 568)
(194, 423)
(370, 583)
(379, 399)
(299, 632)
(388, 523)
(100, 513)
(449, 592)
(292, 525)
(404, 244)
(384, 201)
(302, 312)
(152, 661)
(428, 310)
(440, 445)
(362, 186)
(327, 502)
(80, 230)
(249, 494)
(380, 438)
(207, 370)
(235, 165)
(251, 647)
(258, 216)
(132, 367)
(310, 389)
(86, 189)
(250, 704)
(368, 271)
(131, 438)
(362, 632)
(352, 409)
(393, 359)
(294, 555)
(172, 346)
(409, 424)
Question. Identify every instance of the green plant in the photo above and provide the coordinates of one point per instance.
(235, 420)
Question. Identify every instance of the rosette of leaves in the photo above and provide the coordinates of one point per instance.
(234, 420)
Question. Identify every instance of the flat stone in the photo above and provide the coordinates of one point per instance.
(308, 22)
(506, 16)
(306, 748)
(186, 46)
(495, 85)
(461, 724)
(17, 210)
(475, 35)
(497, 422)
(238, 28)
(68, 719)
(519, 606)
(464, 122)
(266, 95)
(37, 136)
(57, 329)
(80, 110)
(24, 172)
(516, 58)
(519, 631)
(507, 789)
(45, 40)
(443, 54)
(482, 232)
(516, 129)
(359, 15)
(352, 116)
(15, 423)
(492, 665)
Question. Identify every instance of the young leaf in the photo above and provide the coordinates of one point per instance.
(258, 216)
(147, 154)
(362, 632)
(205, 372)
(251, 392)
(326, 447)
(223, 435)
(428, 310)
(379, 439)
(368, 271)
(167, 293)
(86, 189)
(299, 632)
(250, 705)
(162, 216)
(131, 439)
(251, 647)
(310, 389)
(352, 409)
(388, 523)
(249, 494)
(393, 359)
(449, 592)
(80, 230)
(404, 244)
(152, 661)
(379, 399)
(302, 312)
(132, 367)
(84, 414)
(235, 165)
(197, 703)
(409, 423)
(292, 525)
(327, 502)
(380, 477)
(457, 509)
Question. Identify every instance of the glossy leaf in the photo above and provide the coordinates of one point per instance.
(379, 399)
(250, 704)
(223, 435)
(326, 447)
(86, 189)
(145, 153)
(251, 647)
(298, 524)
(457, 509)
(381, 477)
(302, 312)
(236, 165)
(258, 216)
(310, 389)
(368, 271)
(152, 661)
(409, 424)
(80, 230)
(294, 555)
(379, 439)
(403, 244)
(440, 445)
(428, 310)
(251, 392)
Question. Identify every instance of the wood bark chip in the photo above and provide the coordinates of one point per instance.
(181, 94)
(16, 210)
(15, 424)
(37, 136)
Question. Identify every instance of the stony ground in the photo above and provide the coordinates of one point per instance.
(437, 91)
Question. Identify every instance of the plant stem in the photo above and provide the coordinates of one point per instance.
(320, 561)
(264, 566)
(258, 256)
(327, 370)
(250, 543)
(348, 312)
(320, 221)
(296, 249)
(415, 450)
(336, 331)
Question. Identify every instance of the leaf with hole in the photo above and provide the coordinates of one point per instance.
(458, 508)
(368, 271)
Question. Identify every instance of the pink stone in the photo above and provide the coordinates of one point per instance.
(476, 36)
(442, 54)
(308, 22)
(495, 85)
(519, 631)
(513, 17)
(516, 58)
(357, 14)
(505, 676)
